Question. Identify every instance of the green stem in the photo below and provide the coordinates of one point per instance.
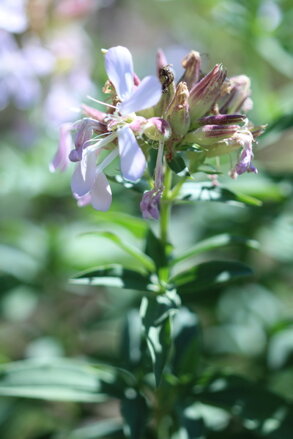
(165, 207)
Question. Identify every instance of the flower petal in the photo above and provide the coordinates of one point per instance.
(84, 175)
(84, 200)
(147, 94)
(61, 159)
(132, 159)
(119, 68)
(101, 195)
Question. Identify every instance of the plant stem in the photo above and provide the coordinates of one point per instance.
(165, 207)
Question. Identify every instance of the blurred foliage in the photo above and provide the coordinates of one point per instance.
(246, 329)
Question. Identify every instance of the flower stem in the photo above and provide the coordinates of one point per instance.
(165, 207)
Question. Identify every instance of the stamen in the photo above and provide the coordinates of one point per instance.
(103, 142)
(107, 161)
(101, 102)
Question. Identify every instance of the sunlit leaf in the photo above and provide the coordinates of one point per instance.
(186, 344)
(116, 276)
(62, 380)
(101, 429)
(131, 340)
(192, 191)
(210, 275)
(135, 413)
(156, 313)
(136, 226)
(213, 243)
(190, 424)
(262, 411)
(157, 251)
(145, 261)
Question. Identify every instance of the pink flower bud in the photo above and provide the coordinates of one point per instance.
(157, 128)
(178, 111)
(204, 94)
(210, 134)
(191, 63)
(237, 95)
(222, 119)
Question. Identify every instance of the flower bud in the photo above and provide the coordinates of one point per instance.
(236, 96)
(178, 111)
(210, 134)
(150, 203)
(257, 131)
(222, 119)
(84, 132)
(191, 63)
(204, 94)
(157, 128)
(166, 77)
(161, 61)
(245, 140)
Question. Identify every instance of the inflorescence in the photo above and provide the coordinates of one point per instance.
(201, 116)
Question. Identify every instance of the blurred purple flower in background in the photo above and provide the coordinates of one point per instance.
(20, 69)
(13, 16)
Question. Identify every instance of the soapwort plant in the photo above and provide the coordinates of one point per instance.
(161, 133)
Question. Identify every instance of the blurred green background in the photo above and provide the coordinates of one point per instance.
(50, 61)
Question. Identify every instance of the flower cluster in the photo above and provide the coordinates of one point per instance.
(199, 113)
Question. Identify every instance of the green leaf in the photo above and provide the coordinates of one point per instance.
(116, 276)
(204, 191)
(136, 226)
(139, 187)
(135, 413)
(156, 313)
(191, 425)
(263, 411)
(210, 275)
(101, 429)
(213, 243)
(62, 380)
(131, 340)
(177, 164)
(152, 161)
(155, 249)
(146, 262)
(186, 344)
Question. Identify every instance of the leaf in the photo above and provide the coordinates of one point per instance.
(131, 340)
(210, 275)
(101, 429)
(155, 249)
(265, 412)
(63, 380)
(139, 187)
(152, 161)
(136, 226)
(116, 276)
(204, 191)
(212, 243)
(135, 413)
(191, 425)
(186, 344)
(177, 164)
(156, 313)
(146, 262)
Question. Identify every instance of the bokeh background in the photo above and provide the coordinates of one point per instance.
(50, 60)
